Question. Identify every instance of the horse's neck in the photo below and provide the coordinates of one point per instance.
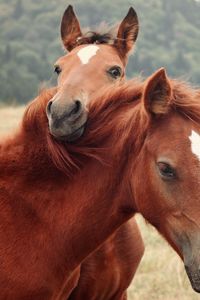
(81, 212)
(99, 198)
(98, 203)
(25, 154)
(84, 210)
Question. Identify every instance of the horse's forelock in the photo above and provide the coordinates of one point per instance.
(104, 35)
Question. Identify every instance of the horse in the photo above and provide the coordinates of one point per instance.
(105, 53)
(50, 218)
(103, 58)
(111, 59)
(158, 180)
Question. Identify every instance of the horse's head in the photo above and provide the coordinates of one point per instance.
(94, 61)
(167, 172)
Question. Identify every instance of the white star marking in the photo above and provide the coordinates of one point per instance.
(195, 143)
(86, 53)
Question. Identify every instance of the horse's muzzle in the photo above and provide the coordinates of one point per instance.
(67, 122)
(191, 260)
(194, 277)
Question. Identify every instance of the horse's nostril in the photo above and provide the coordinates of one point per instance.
(49, 107)
(76, 107)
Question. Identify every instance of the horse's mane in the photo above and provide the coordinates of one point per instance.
(104, 35)
(100, 125)
(34, 116)
(118, 115)
(94, 37)
(114, 117)
(186, 100)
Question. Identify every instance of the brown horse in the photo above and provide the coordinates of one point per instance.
(110, 59)
(50, 222)
(96, 60)
(148, 177)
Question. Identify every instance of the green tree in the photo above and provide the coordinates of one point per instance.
(18, 10)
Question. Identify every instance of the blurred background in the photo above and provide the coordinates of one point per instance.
(169, 36)
(30, 39)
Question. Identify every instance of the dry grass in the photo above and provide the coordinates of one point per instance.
(161, 275)
(9, 118)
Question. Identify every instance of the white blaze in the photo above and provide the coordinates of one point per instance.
(86, 53)
(195, 143)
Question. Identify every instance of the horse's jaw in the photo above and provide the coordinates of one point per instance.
(185, 240)
(191, 258)
(193, 274)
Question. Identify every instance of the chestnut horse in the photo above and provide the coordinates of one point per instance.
(51, 222)
(95, 60)
(109, 61)
(123, 133)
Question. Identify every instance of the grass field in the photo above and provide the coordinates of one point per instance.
(161, 275)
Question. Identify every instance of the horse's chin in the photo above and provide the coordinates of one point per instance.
(72, 137)
(194, 277)
(75, 135)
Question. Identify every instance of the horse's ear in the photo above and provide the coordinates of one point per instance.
(157, 93)
(70, 29)
(127, 32)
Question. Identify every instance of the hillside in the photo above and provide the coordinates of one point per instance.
(30, 42)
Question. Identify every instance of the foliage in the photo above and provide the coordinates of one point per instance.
(30, 43)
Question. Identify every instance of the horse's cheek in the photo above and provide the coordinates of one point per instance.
(142, 188)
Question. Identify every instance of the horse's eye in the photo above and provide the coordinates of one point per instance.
(166, 171)
(57, 69)
(115, 72)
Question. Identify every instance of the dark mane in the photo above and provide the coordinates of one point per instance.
(92, 37)
(104, 35)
